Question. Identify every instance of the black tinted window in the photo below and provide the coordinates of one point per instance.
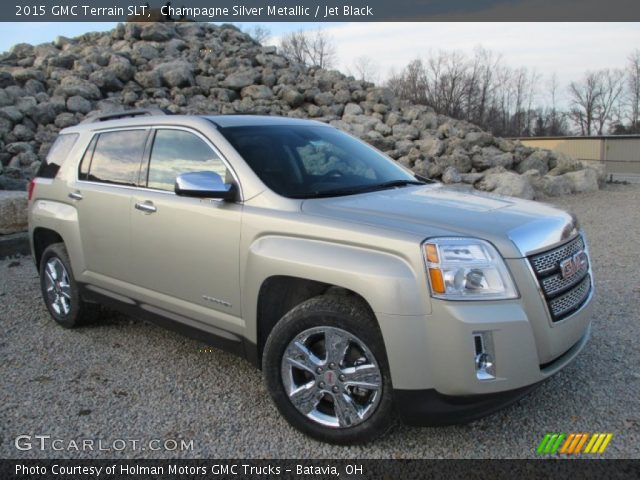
(306, 161)
(175, 152)
(117, 156)
(57, 155)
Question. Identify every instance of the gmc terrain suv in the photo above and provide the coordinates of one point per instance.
(361, 290)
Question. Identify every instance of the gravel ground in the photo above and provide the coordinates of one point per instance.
(126, 379)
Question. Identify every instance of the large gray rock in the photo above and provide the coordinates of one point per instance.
(352, 109)
(239, 80)
(11, 113)
(121, 67)
(492, 157)
(451, 175)
(106, 80)
(538, 160)
(13, 212)
(256, 92)
(78, 104)
(551, 186)
(599, 168)
(190, 68)
(21, 132)
(583, 180)
(176, 74)
(403, 130)
(561, 163)
(150, 79)
(72, 85)
(157, 32)
(507, 183)
(6, 80)
(432, 147)
(482, 139)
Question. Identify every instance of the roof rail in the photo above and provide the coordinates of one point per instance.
(126, 114)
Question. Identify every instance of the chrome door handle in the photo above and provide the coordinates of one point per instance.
(146, 207)
(75, 195)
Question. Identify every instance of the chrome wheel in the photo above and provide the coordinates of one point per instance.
(57, 286)
(331, 377)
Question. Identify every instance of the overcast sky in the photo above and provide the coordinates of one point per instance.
(569, 49)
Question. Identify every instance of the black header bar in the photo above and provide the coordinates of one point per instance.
(319, 10)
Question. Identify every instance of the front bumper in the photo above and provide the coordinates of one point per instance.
(431, 408)
(428, 408)
(436, 351)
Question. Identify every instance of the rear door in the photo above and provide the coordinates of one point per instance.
(185, 251)
(107, 179)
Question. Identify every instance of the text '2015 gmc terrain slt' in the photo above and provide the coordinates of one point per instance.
(362, 291)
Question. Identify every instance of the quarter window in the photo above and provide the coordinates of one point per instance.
(116, 158)
(176, 152)
(57, 155)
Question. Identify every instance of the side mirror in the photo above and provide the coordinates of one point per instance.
(204, 184)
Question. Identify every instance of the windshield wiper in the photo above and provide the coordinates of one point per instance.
(335, 192)
(394, 184)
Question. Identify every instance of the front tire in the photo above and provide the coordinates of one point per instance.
(326, 369)
(60, 290)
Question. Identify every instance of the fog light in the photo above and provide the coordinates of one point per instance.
(484, 362)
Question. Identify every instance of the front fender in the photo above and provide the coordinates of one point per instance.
(387, 282)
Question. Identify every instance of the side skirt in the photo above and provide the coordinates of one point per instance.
(223, 340)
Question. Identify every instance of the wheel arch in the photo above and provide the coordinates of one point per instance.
(280, 293)
(42, 238)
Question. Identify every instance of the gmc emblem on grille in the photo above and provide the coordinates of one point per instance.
(574, 264)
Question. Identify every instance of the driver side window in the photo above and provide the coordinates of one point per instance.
(175, 152)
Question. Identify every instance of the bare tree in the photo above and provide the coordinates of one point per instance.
(411, 83)
(633, 85)
(313, 48)
(365, 69)
(553, 115)
(611, 87)
(504, 100)
(260, 33)
(294, 46)
(584, 97)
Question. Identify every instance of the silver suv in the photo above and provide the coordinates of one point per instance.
(362, 291)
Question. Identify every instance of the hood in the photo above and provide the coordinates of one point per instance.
(516, 227)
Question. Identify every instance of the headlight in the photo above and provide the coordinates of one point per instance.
(467, 269)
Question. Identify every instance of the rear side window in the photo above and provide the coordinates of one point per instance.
(58, 153)
(116, 157)
(175, 152)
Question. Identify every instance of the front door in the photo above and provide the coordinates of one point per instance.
(185, 251)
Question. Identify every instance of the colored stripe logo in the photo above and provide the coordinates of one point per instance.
(574, 443)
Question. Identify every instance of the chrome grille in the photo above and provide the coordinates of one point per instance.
(548, 261)
(563, 295)
(571, 300)
(555, 283)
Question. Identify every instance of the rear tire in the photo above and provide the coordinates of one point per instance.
(340, 393)
(60, 290)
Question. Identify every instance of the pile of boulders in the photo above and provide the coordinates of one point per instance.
(202, 68)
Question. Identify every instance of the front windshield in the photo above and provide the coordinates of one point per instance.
(300, 161)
